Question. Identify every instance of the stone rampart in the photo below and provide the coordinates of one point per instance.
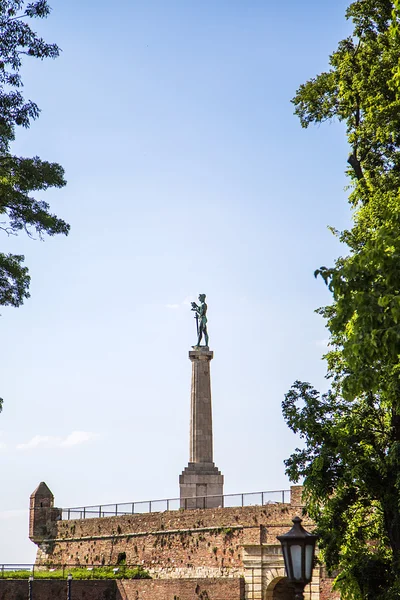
(232, 546)
(200, 543)
(182, 589)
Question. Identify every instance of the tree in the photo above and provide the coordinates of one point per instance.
(21, 177)
(351, 457)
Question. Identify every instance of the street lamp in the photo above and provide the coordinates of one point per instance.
(69, 580)
(30, 584)
(298, 547)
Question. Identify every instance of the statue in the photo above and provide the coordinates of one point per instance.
(201, 319)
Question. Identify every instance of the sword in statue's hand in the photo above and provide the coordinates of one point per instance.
(195, 308)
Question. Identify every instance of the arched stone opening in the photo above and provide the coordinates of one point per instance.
(280, 589)
(283, 590)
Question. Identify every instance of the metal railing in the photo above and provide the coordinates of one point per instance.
(153, 506)
(59, 571)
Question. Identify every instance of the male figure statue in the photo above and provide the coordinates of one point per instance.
(201, 317)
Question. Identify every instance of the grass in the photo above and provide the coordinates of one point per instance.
(80, 573)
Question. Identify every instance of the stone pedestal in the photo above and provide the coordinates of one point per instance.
(201, 483)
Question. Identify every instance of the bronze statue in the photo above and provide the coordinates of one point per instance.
(201, 319)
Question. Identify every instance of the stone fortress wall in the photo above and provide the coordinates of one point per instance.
(141, 589)
(233, 548)
(173, 544)
(215, 543)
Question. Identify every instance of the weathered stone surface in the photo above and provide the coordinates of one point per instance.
(184, 589)
(201, 435)
(188, 545)
(42, 514)
(201, 483)
(57, 590)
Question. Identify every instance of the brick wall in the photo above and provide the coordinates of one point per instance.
(325, 589)
(57, 590)
(190, 543)
(183, 548)
(182, 589)
(178, 589)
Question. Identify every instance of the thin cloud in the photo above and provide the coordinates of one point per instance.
(12, 514)
(322, 343)
(49, 441)
(79, 437)
(186, 302)
(38, 440)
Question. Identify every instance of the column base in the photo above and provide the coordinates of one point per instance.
(201, 486)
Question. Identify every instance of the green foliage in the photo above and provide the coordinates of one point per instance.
(81, 573)
(351, 458)
(227, 532)
(21, 177)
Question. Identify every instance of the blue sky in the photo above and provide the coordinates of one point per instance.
(187, 173)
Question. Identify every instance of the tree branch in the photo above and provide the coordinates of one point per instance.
(356, 166)
(8, 230)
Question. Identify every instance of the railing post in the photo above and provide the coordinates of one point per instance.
(168, 504)
(222, 500)
(262, 498)
(69, 514)
(69, 580)
(150, 506)
(99, 511)
(116, 510)
(283, 496)
(185, 503)
(84, 512)
(242, 500)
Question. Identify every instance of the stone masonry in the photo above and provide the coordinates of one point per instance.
(42, 514)
(141, 589)
(201, 483)
(203, 551)
(214, 543)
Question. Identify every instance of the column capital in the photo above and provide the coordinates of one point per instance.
(201, 353)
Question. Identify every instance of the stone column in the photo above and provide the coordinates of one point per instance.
(201, 438)
(201, 483)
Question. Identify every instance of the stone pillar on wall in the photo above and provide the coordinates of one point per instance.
(201, 483)
(296, 493)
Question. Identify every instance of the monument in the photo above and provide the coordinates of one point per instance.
(228, 552)
(201, 483)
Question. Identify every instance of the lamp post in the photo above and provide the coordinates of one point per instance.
(30, 584)
(69, 581)
(298, 547)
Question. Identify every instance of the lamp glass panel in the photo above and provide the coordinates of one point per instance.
(286, 558)
(309, 560)
(296, 561)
